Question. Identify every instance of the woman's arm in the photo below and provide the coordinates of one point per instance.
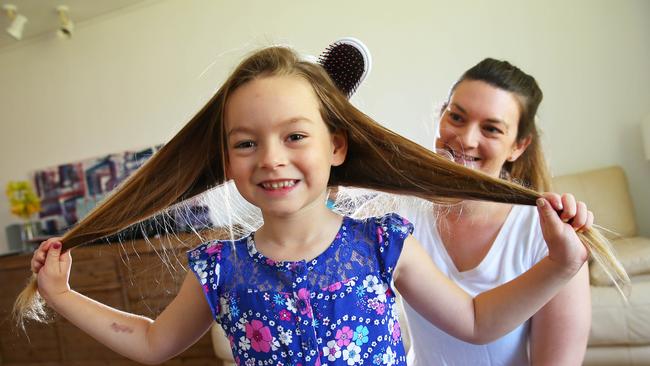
(181, 324)
(484, 318)
(560, 330)
(494, 313)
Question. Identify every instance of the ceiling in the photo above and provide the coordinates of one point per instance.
(42, 16)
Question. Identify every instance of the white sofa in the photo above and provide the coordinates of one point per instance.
(620, 332)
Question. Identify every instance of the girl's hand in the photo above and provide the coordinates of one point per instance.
(52, 268)
(561, 217)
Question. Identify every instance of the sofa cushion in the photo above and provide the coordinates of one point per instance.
(634, 255)
(617, 323)
(618, 355)
(606, 193)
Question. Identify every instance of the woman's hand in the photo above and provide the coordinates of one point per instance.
(561, 217)
(52, 269)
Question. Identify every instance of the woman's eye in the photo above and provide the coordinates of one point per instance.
(493, 130)
(455, 117)
(296, 137)
(244, 145)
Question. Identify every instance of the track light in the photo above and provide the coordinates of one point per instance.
(18, 21)
(66, 26)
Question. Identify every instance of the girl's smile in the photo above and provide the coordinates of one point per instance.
(279, 184)
(279, 188)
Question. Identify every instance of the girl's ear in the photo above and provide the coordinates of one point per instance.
(340, 147)
(519, 147)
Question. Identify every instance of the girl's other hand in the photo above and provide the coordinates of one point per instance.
(561, 217)
(52, 268)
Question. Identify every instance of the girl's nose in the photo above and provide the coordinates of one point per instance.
(272, 157)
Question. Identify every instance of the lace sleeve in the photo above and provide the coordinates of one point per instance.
(205, 262)
(390, 232)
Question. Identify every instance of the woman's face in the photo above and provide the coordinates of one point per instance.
(479, 127)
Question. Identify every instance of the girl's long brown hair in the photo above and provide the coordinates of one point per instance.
(195, 160)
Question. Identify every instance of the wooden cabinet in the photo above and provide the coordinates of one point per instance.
(135, 276)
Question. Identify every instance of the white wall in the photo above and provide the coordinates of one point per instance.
(133, 78)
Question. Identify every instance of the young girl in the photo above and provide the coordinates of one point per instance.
(309, 287)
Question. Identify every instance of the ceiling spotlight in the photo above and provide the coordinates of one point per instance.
(66, 26)
(18, 21)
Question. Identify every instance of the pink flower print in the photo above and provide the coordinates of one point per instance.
(380, 235)
(214, 249)
(231, 340)
(397, 331)
(344, 336)
(206, 289)
(270, 262)
(317, 363)
(259, 335)
(381, 308)
(285, 315)
(303, 302)
(334, 287)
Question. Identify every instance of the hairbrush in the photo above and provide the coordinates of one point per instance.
(347, 62)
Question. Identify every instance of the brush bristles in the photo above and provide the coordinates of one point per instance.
(345, 64)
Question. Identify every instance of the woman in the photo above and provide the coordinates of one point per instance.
(488, 124)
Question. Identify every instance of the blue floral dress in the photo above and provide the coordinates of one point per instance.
(337, 309)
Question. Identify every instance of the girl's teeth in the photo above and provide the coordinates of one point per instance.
(276, 185)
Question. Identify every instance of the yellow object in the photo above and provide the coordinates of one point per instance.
(22, 199)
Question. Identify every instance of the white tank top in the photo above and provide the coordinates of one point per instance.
(518, 246)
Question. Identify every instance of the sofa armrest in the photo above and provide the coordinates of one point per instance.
(615, 322)
(606, 193)
(634, 254)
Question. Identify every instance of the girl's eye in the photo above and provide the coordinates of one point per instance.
(296, 137)
(244, 145)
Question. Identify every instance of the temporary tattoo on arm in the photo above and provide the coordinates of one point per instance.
(121, 328)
